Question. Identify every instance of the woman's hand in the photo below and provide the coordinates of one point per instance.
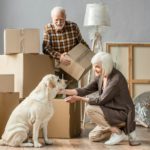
(73, 99)
(67, 91)
(61, 91)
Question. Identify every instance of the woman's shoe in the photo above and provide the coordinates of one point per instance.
(116, 138)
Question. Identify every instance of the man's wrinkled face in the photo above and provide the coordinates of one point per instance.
(58, 20)
(97, 69)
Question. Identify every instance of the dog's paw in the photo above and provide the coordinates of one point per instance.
(26, 145)
(37, 145)
(48, 142)
(1, 142)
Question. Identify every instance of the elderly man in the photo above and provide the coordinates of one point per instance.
(60, 36)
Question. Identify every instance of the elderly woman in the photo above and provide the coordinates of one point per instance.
(113, 104)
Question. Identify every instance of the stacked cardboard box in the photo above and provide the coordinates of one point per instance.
(21, 40)
(6, 82)
(20, 72)
(28, 70)
(8, 101)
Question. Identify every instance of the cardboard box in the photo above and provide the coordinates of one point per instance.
(80, 57)
(28, 69)
(66, 120)
(21, 40)
(8, 101)
(6, 82)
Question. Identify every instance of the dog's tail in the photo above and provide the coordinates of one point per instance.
(2, 142)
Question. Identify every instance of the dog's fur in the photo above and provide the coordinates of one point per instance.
(32, 114)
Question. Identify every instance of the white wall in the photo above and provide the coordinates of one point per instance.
(129, 18)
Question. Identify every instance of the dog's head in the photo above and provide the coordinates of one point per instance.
(53, 82)
(48, 88)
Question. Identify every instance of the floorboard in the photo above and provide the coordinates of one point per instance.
(82, 143)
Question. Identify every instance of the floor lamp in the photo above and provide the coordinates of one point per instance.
(97, 20)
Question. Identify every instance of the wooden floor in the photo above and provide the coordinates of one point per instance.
(82, 143)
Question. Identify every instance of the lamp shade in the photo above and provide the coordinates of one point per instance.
(96, 14)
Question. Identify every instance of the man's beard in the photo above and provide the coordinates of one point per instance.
(59, 27)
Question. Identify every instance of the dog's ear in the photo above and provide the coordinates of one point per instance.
(52, 84)
(52, 81)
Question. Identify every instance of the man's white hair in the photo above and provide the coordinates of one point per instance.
(104, 59)
(58, 9)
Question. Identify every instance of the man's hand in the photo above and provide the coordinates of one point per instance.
(64, 59)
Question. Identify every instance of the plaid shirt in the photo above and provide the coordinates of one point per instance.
(57, 42)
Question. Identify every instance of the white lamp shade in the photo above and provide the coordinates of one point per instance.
(96, 14)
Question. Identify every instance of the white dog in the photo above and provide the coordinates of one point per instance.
(32, 114)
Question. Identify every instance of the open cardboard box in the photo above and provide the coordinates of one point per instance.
(80, 57)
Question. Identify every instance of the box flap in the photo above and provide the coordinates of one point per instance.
(80, 57)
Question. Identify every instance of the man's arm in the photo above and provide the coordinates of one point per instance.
(79, 37)
(46, 47)
(90, 88)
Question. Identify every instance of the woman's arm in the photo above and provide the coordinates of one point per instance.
(72, 95)
(76, 94)
(90, 88)
(108, 94)
(74, 98)
(69, 92)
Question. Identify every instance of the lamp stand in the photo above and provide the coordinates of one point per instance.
(96, 17)
(96, 44)
(97, 41)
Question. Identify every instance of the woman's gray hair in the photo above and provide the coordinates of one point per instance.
(104, 59)
(58, 9)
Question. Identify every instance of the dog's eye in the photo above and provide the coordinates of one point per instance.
(58, 80)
